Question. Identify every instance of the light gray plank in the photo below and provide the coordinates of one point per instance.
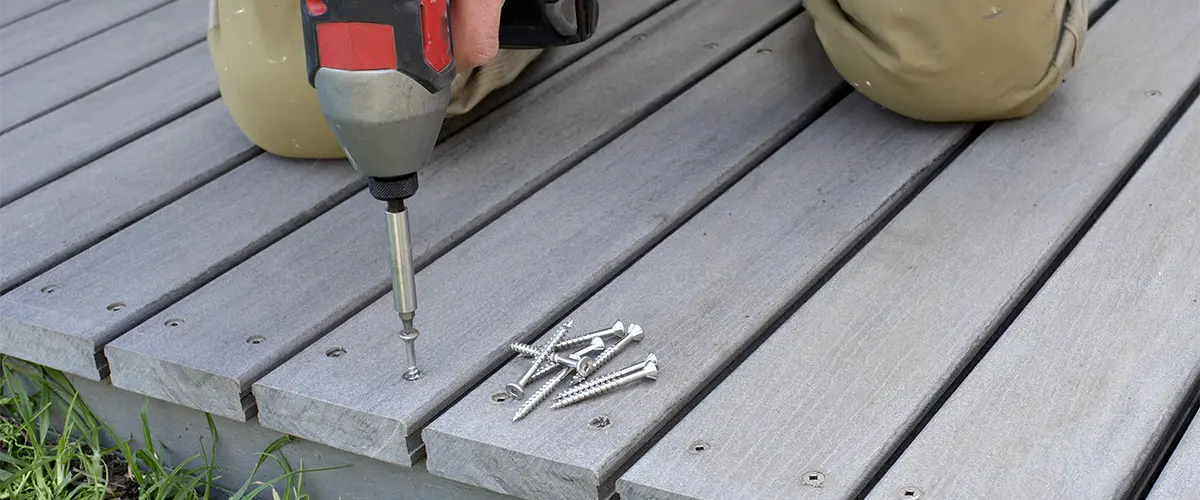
(182, 433)
(49, 83)
(62, 25)
(12, 11)
(1076, 413)
(555, 250)
(835, 389)
(61, 219)
(616, 16)
(701, 296)
(473, 177)
(1181, 477)
(162, 257)
(73, 135)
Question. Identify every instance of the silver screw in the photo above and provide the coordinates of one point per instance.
(635, 335)
(573, 359)
(528, 351)
(910, 493)
(617, 330)
(516, 389)
(634, 368)
(650, 371)
(540, 395)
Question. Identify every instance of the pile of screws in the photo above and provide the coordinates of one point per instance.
(546, 359)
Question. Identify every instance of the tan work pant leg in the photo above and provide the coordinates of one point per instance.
(257, 50)
(952, 60)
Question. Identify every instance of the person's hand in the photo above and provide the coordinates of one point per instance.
(475, 32)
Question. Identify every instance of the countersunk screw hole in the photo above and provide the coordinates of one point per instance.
(1153, 93)
(174, 322)
(336, 352)
(50, 289)
(910, 493)
(600, 422)
(116, 306)
(499, 397)
(764, 51)
(814, 478)
(639, 37)
(711, 45)
(698, 446)
(257, 339)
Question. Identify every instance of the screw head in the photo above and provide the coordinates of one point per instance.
(698, 446)
(814, 478)
(910, 493)
(635, 333)
(586, 365)
(650, 371)
(499, 397)
(619, 329)
(514, 390)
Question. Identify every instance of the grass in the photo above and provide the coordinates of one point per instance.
(41, 462)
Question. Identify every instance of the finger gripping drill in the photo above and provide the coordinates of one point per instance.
(382, 71)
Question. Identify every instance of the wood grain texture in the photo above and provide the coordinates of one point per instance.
(516, 275)
(51, 82)
(16, 10)
(472, 178)
(182, 433)
(73, 135)
(1077, 392)
(704, 293)
(838, 385)
(162, 257)
(61, 219)
(62, 25)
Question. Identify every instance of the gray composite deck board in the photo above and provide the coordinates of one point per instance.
(162, 257)
(703, 294)
(53, 223)
(1077, 393)
(12, 11)
(1181, 476)
(57, 79)
(839, 384)
(181, 433)
(102, 121)
(510, 153)
(555, 251)
(62, 25)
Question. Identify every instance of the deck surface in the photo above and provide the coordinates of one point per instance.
(843, 302)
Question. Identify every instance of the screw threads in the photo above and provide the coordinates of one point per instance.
(541, 372)
(540, 394)
(517, 388)
(590, 384)
(593, 392)
(524, 349)
(600, 360)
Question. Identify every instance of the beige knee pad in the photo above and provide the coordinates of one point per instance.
(962, 60)
(257, 50)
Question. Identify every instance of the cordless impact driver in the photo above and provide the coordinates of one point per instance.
(382, 71)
